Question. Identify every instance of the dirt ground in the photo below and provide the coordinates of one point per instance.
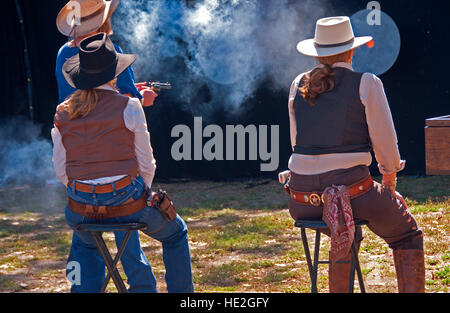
(241, 235)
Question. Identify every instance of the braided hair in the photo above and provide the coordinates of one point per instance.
(321, 79)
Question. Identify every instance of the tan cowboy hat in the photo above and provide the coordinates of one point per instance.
(93, 14)
(333, 35)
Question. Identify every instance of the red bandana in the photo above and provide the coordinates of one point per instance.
(338, 215)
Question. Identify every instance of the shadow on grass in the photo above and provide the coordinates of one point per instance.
(424, 189)
(36, 224)
(11, 227)
(225, 275)
(23, 281)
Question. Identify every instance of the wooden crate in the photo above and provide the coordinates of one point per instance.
(437, 145)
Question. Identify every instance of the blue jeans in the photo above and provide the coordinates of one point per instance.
(172, 234)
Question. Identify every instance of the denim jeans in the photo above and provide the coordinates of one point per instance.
(172, 234)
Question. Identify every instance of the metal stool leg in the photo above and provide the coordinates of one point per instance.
(351, 282)
(318, 225)
(116, 259)
(313, 265)
(110, 264)
(307, 252)
(316, 262)
(355, 261)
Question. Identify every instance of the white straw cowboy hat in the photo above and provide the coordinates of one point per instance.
(333, 35)
(93, 14)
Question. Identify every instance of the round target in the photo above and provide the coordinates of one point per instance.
(386, 41)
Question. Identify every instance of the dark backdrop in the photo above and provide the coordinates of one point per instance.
(417, 85)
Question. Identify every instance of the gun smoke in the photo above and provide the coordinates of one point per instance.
(27, 177)
(226, 47)
(25, 157)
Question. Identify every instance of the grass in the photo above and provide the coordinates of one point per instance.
(242, 239)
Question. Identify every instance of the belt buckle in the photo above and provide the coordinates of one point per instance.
(315, 199)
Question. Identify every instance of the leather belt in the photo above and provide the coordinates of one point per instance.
(106, 188)
(315, 198)
(101, 212)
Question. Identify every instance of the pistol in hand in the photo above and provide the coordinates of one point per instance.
(157, 86)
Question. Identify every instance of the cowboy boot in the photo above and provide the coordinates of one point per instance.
(339, 273)
(410, 270)
(339, 276)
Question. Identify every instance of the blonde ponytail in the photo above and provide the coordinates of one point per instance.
(81, 103)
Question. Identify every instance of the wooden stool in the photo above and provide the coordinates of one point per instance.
(96, 230)
(317, 225)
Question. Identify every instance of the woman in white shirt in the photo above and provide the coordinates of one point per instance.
(103, 154)
(337, 116)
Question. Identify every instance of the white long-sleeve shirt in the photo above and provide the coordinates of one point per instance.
(381, 131)
(134, 118)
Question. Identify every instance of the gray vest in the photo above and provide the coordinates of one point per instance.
(337, 122)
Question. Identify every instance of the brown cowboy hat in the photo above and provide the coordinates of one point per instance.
(92, 15)
(96, 63)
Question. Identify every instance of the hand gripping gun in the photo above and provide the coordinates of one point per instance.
(157, 86)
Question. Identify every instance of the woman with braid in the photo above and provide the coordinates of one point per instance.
(337, 117)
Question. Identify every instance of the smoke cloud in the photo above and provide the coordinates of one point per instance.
(25, 157)
(226, 47)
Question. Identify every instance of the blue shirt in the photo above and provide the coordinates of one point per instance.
(125, 81)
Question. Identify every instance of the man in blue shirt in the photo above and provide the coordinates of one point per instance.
(97, 21)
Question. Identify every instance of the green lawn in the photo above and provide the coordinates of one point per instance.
(241, 236)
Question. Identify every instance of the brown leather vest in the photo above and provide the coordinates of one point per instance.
(99, 144)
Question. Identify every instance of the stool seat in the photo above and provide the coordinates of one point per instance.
(111, 227)
(318, 225)
(96, 231)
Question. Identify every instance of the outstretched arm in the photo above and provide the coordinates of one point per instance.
(134, 118)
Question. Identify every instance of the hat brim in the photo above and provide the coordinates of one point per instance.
(79, 79)
(309, 48)
(114, 5)
(88, 26)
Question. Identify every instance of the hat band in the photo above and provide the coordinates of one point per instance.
(335, 44)
(101, 70)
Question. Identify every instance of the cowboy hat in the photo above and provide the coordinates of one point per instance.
(96, 63)
(93, 14)
(333, 35)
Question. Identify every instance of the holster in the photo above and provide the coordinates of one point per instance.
(161, 201)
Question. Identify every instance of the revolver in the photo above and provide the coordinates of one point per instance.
(157, 86)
